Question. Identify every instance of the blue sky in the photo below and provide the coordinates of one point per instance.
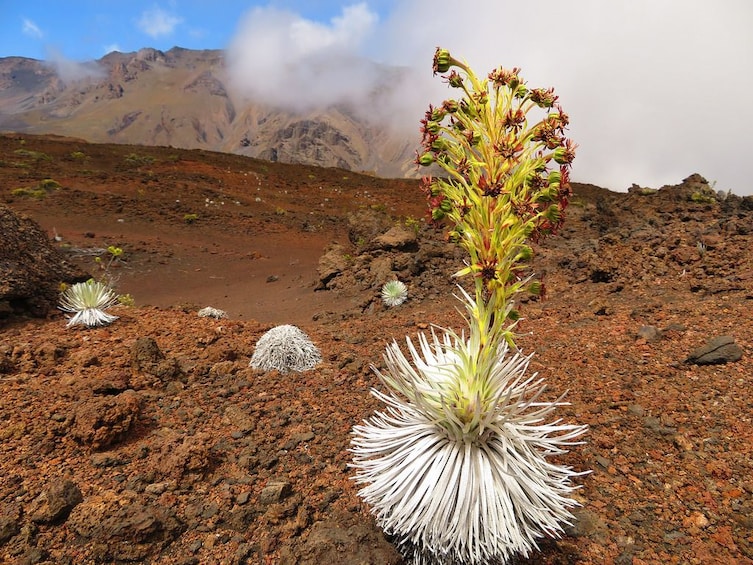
(84, 30)
(655, 89)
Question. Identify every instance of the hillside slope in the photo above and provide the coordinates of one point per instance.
(182, 98)
(153, 441)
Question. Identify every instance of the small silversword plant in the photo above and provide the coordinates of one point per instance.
(394, 293)
(458, 468)
(210, 312)
(285, 348)
(87, 301)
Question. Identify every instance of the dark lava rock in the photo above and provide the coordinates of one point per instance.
(342, 534)
(31, 268)
(145, 353)
(119, 526)
(147, 357)
(55, 503)
(717, 351)
(275, 491)
(397, 237)
(10, 523)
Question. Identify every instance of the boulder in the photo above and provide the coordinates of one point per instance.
(31, 268)
(397, 237)
(716, 351)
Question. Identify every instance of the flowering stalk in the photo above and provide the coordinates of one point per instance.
(457, 468)
(507, 177)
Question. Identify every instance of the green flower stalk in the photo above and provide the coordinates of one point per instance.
(457, 468)
(507, 175)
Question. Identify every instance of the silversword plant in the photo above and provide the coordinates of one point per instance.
(285, 348)
(210, 312)
(87, 301)
(458, 467)
(394, 293)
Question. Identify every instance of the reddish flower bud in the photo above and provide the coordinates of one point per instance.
(439, 144)
(503, 77)
(432, 127)
(565, 154)
(543, 97)
(442, 60)
(436, 114)
(521, 91)
(455, 80)
(473, 137)
(481, 97)
(450, 106)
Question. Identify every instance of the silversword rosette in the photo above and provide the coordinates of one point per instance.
(394, 293)
(87, 301)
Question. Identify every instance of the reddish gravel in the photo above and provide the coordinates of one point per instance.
(152, 441)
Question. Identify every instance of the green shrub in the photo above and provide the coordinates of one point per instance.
(49, 184)
(43, 188)
(136, 160)
(36, 155)
(37, 193)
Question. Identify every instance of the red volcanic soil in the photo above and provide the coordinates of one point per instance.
(153, 441)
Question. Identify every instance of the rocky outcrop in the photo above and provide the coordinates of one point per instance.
(31, 268)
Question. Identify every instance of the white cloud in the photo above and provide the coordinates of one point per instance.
(156, 22)
(280, 58)
(110, 48)
(31, 29)
(655, 90)
(71, 71)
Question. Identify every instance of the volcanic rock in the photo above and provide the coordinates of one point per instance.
(31, 268)
(101, 422)
(717, 351)
(348, 535)
(55, 503)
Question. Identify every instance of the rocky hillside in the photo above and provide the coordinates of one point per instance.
(152, 440)
(182, 98)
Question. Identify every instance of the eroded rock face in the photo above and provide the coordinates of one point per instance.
(31, 268)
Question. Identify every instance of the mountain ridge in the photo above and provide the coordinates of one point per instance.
(183, 98)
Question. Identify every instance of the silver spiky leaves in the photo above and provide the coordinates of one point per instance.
(210, 312)
(457, 467)
(285, 348)
(87, 301)
(394, 293)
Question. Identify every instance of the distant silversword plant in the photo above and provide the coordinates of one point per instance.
(285, 348)
(87, 301)
(458, 468)
(210, 312)
(394, 293)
